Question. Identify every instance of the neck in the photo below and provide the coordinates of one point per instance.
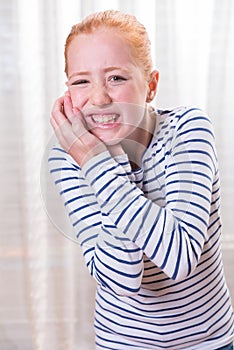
(139, 140)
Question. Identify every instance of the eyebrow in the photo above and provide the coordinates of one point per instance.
(106, 70)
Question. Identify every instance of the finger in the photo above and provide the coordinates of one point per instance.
(68, 107)
(89, 141)
(58, 105)
(80, 129)
(58, 112)
(78, 124)
(53, 123)
(61, 125)
(59, 119)
(64, 134)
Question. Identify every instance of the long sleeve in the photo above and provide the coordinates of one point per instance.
(115, 264)
(151, 238)
(172, 234)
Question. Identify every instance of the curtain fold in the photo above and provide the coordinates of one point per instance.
(220, 104)
(46, 294)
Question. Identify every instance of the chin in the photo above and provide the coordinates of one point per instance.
(113, 136)
(110, 141)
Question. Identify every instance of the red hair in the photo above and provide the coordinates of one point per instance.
(126, 25)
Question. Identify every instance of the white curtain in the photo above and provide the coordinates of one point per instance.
(46, 294)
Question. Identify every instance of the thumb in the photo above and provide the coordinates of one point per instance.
(78, 123)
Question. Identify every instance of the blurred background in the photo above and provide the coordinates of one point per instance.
(46, 294)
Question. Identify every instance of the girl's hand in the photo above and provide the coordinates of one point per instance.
(71, 132)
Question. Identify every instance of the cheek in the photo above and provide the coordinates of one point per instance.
(134, 95)
(78, 98)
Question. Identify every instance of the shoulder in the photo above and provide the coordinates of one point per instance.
(183, 117)
(182, 113)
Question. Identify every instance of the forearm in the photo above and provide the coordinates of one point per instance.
(167, 240)
(115, 264)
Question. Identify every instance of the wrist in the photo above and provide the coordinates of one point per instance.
(116, 150)
(82, 156)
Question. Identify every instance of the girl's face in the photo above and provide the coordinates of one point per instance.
(106, 85)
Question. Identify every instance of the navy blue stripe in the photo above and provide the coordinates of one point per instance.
(104, 160)
(115, 258)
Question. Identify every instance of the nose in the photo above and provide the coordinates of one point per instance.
(99, 96)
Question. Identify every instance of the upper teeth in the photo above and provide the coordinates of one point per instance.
(104, 118)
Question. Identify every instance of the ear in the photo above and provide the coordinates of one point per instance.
(152, 85)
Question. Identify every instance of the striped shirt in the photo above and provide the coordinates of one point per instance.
(151, 238)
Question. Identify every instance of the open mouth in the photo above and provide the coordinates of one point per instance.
(105, 118)
(102, 119)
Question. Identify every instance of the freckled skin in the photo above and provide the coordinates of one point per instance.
(105, 106)
(102, 73)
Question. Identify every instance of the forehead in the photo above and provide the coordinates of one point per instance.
(105, 47)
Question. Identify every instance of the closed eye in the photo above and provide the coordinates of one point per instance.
(80, 82)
